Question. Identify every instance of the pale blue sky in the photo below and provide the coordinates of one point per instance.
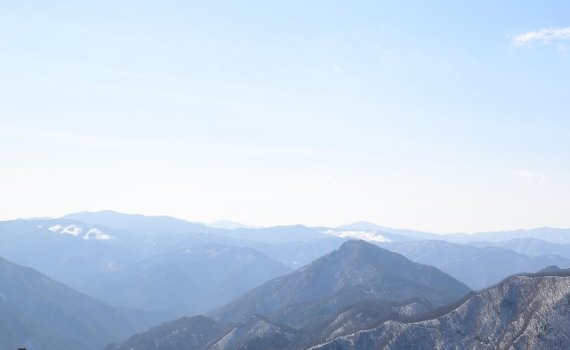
(427, 115)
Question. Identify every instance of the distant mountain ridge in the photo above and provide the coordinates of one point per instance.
(228, 225)
(106, 268)
(478, 267)
(368, 226)
(556, 235)
(189, 281)
(529, 246)
(137, 223)
(162, 224)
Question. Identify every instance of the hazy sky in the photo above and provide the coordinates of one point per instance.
(435, 115)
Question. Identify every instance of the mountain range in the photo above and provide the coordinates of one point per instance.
(188, 281)
(320, 298)
(122, 273)
(522, 312)
(478, 267)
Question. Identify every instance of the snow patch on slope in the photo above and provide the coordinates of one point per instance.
(95, 233)
(369, 236)
(73, 230)
(55, 228)
(76, 231)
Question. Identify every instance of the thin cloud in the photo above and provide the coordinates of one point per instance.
(530, 177)
(545, 36)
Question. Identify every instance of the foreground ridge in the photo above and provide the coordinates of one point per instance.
(522, 312)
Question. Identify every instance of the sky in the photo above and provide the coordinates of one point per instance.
(439, 116)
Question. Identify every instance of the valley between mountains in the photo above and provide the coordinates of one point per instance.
(113, 281)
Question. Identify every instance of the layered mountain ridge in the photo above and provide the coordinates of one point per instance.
(356, 271)
(189, 281)
(164, 263)
(522, 312)
(359, 281)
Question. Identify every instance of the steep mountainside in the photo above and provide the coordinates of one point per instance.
(17, 331)
(202, 333)
(366, 315)
(256, 333)
(189, 281)
(476, 267)
(355, 272)
(44, 314)
(194, 333)
(522, 312)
